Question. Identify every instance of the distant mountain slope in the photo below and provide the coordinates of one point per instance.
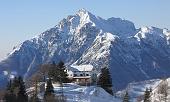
(131, 54)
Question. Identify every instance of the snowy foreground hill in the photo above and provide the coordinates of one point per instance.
(131, 54)
(76, 93)
(136, 91)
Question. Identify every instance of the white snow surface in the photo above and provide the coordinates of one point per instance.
(136, 90)
(83, 67)
(76, 93)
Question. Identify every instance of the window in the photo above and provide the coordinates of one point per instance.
(87, 74)
(81, 74)
(75, 75)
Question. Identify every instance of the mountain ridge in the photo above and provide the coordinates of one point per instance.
(131, 54)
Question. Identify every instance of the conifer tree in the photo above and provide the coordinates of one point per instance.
(126, 97)
(49, 92)
(57, 72)
(62, 72)
(105, 80)
(49, 88)
(9, 94)
(9, 85)
(53, 72)
(147, 95)
(16, 91)
(15, 85)
(22, 95)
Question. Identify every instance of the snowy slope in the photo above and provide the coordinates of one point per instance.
(131, 54)
(156, 96)
(136, 90)
(76, 93)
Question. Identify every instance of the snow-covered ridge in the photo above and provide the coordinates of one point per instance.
(131, 54)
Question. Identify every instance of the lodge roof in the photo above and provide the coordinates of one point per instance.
(81, 68)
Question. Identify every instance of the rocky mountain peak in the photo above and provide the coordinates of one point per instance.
(84, 38)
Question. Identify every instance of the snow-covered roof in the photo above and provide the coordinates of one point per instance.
(81, 67)
(82, 77)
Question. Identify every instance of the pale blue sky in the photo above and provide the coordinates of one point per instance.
(23, 19)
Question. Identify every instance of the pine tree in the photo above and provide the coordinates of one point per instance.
(49, 88)
(9, 94)
(53, 72)
(22, 95)
(16, 91)
(147, 95)
(126, 97)
(49, 92)
(105, 80)
(57, 72)
(63, 74)
(9, 85)
(15, 85)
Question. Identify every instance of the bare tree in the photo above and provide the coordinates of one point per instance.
(39, 75)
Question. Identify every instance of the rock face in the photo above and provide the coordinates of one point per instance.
(131, 54)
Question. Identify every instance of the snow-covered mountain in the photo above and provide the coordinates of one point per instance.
(160, 90)
(131, 54)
